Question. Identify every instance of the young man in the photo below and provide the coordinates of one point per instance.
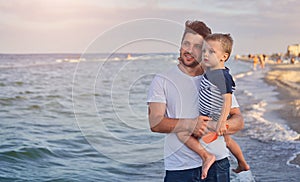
(173, 108)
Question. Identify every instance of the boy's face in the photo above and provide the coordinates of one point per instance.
(191, 48)
(213, 56)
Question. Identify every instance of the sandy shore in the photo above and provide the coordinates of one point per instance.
(287, 79)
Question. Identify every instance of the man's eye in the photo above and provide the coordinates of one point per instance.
(198, 46)
(186, 43)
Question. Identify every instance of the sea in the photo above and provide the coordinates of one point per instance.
(72, 117)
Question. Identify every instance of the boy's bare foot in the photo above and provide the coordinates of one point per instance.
(206, 163)
(241, 167)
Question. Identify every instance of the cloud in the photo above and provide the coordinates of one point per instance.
(78, 22)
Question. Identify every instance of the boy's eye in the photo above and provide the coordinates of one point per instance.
(211, 51)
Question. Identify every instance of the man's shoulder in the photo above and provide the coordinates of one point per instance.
(169, 73)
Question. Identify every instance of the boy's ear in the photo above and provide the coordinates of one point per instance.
(225, 57)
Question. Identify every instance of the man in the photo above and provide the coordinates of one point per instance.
(173, 107)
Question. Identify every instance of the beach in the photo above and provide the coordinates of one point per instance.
(287, 80)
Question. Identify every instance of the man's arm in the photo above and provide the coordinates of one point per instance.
(161, 124)
(235, 122)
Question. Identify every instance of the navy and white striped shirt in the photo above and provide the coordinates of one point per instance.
(213, 85)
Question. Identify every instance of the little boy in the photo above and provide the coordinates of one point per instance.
(215, 96)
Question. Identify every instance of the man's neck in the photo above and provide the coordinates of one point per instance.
(191, 71)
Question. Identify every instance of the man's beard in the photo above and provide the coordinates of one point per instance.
(192, 64)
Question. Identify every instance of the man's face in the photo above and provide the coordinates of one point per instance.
(191, 48)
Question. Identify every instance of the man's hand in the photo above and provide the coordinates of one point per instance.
(201, 126)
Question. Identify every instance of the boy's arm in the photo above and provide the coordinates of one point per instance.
(221, 126)
(161, 124)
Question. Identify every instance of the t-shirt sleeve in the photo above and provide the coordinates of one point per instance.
(156, 90)
(224, 82)
(230, 85)
(234, 102)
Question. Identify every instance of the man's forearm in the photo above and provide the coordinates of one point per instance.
(171, 125)
(235, 122)
(161, 124)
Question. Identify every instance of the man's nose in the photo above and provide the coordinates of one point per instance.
(189, 48)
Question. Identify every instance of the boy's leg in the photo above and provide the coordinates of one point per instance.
(193, 143)
(238, 154)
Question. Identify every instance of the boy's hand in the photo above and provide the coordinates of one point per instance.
(221, 128)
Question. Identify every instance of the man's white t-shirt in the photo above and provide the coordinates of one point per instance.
(179, 92)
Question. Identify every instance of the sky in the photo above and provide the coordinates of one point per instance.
(78, 26)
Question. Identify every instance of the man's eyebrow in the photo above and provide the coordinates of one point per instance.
(199, 44)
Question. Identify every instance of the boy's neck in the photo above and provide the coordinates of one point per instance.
(216, 68)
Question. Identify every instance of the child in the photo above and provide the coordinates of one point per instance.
(215, 97)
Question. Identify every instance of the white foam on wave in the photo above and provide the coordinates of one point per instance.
(73, 60)
(260, 128)
(291, 159)
(21, 65)
(124, 57)
(241, 75)
(261, 119)
(247, 93)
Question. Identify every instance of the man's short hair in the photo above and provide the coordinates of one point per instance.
(196, 27)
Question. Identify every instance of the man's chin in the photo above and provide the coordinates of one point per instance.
(190, 63)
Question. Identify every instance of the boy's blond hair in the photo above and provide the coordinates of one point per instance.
(225, 40)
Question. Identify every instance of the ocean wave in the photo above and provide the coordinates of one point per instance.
(260, 128)
(26, 65)
(126, 57)
(291, 159)
(10, 100)
(27, 153)
(241, 75)
(34, 107)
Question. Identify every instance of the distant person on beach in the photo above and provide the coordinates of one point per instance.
(215, 98)
(292, 60)
(255, 61)
(261, 59)
(173, 107)
(279, 61)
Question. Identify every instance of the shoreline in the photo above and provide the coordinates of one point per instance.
(287, 81)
